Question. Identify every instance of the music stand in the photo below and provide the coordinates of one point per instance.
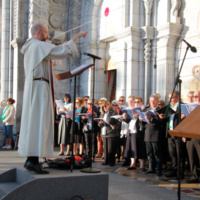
(67, 75)
(90, 169)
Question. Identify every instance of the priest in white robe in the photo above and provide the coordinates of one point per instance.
(37, 121)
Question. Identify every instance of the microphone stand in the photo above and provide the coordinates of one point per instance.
(178, 82)
(73, 123)
(91, 146)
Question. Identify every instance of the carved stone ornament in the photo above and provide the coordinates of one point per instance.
(176, 5)
(147, 50)
(148, 5)
(55, 20)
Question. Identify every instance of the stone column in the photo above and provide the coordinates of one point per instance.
(166, 50)
(148, 6)
(147, 58)
(20, 29)
(5, 49)
(18, 80)
(121, 58)
(127, 61)
(148, 37)
(100, 75)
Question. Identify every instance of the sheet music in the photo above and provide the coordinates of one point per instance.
(192, 106)
(101, 119)
(70, 114)
(89, 115)
(80, 69)
(142, 115)
(74, 72)
(130, 111)
(186, 109)
(59, 103)
(117, 117)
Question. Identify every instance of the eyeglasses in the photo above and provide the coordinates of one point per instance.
(121, 100)
(137, 101)
(89, 103)
(105, 106)
(114, 105)
(85, 99)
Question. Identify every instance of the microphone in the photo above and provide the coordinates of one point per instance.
(193, 49)
(91, 55)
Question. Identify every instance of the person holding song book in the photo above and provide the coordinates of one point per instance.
(78, 136)
(64, 125)
(110, 133)
(115, 106)
(130, 149)
(87, 129)
(152, 137)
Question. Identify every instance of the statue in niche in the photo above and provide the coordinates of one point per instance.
(194, 85)
(148, 5)
(176, 5)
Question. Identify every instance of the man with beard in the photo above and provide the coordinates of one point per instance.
(36, 133)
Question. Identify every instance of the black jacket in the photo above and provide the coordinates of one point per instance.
(111, 132)
(84, 121)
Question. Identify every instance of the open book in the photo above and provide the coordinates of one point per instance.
(70, 114)
(59, 103)
(101, 119)
(143, 114)
(74, 72)
(130, 111)
(89, 115)
(186, 109)
(117, 117)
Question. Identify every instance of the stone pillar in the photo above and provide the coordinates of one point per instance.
(147, 58)
(18, 80)
(5, 49)
(100, 73)
(148, 6)
(11, 52)
(148, 37)
(38, 12)
(166, 50)
(127, 61)
(121, 58)
(20, 29)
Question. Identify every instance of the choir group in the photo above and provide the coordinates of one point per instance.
(127, 130)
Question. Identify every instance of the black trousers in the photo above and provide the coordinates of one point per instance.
(154, 154)
(90, 143)
(193, 147)
(110, 145)
(176, 146)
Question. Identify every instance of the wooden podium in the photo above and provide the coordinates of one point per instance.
(190, 126)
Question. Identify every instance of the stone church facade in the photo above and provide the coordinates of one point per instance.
(139, 41)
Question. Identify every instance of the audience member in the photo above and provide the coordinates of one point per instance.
(8, 119)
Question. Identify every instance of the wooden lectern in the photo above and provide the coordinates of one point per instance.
(190, 126)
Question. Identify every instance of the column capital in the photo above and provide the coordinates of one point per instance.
(17, 42)
(147, 32)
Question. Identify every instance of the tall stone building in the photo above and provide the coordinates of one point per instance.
(139, 41)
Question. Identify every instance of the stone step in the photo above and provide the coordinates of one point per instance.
(59, 184)
(8, 187)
